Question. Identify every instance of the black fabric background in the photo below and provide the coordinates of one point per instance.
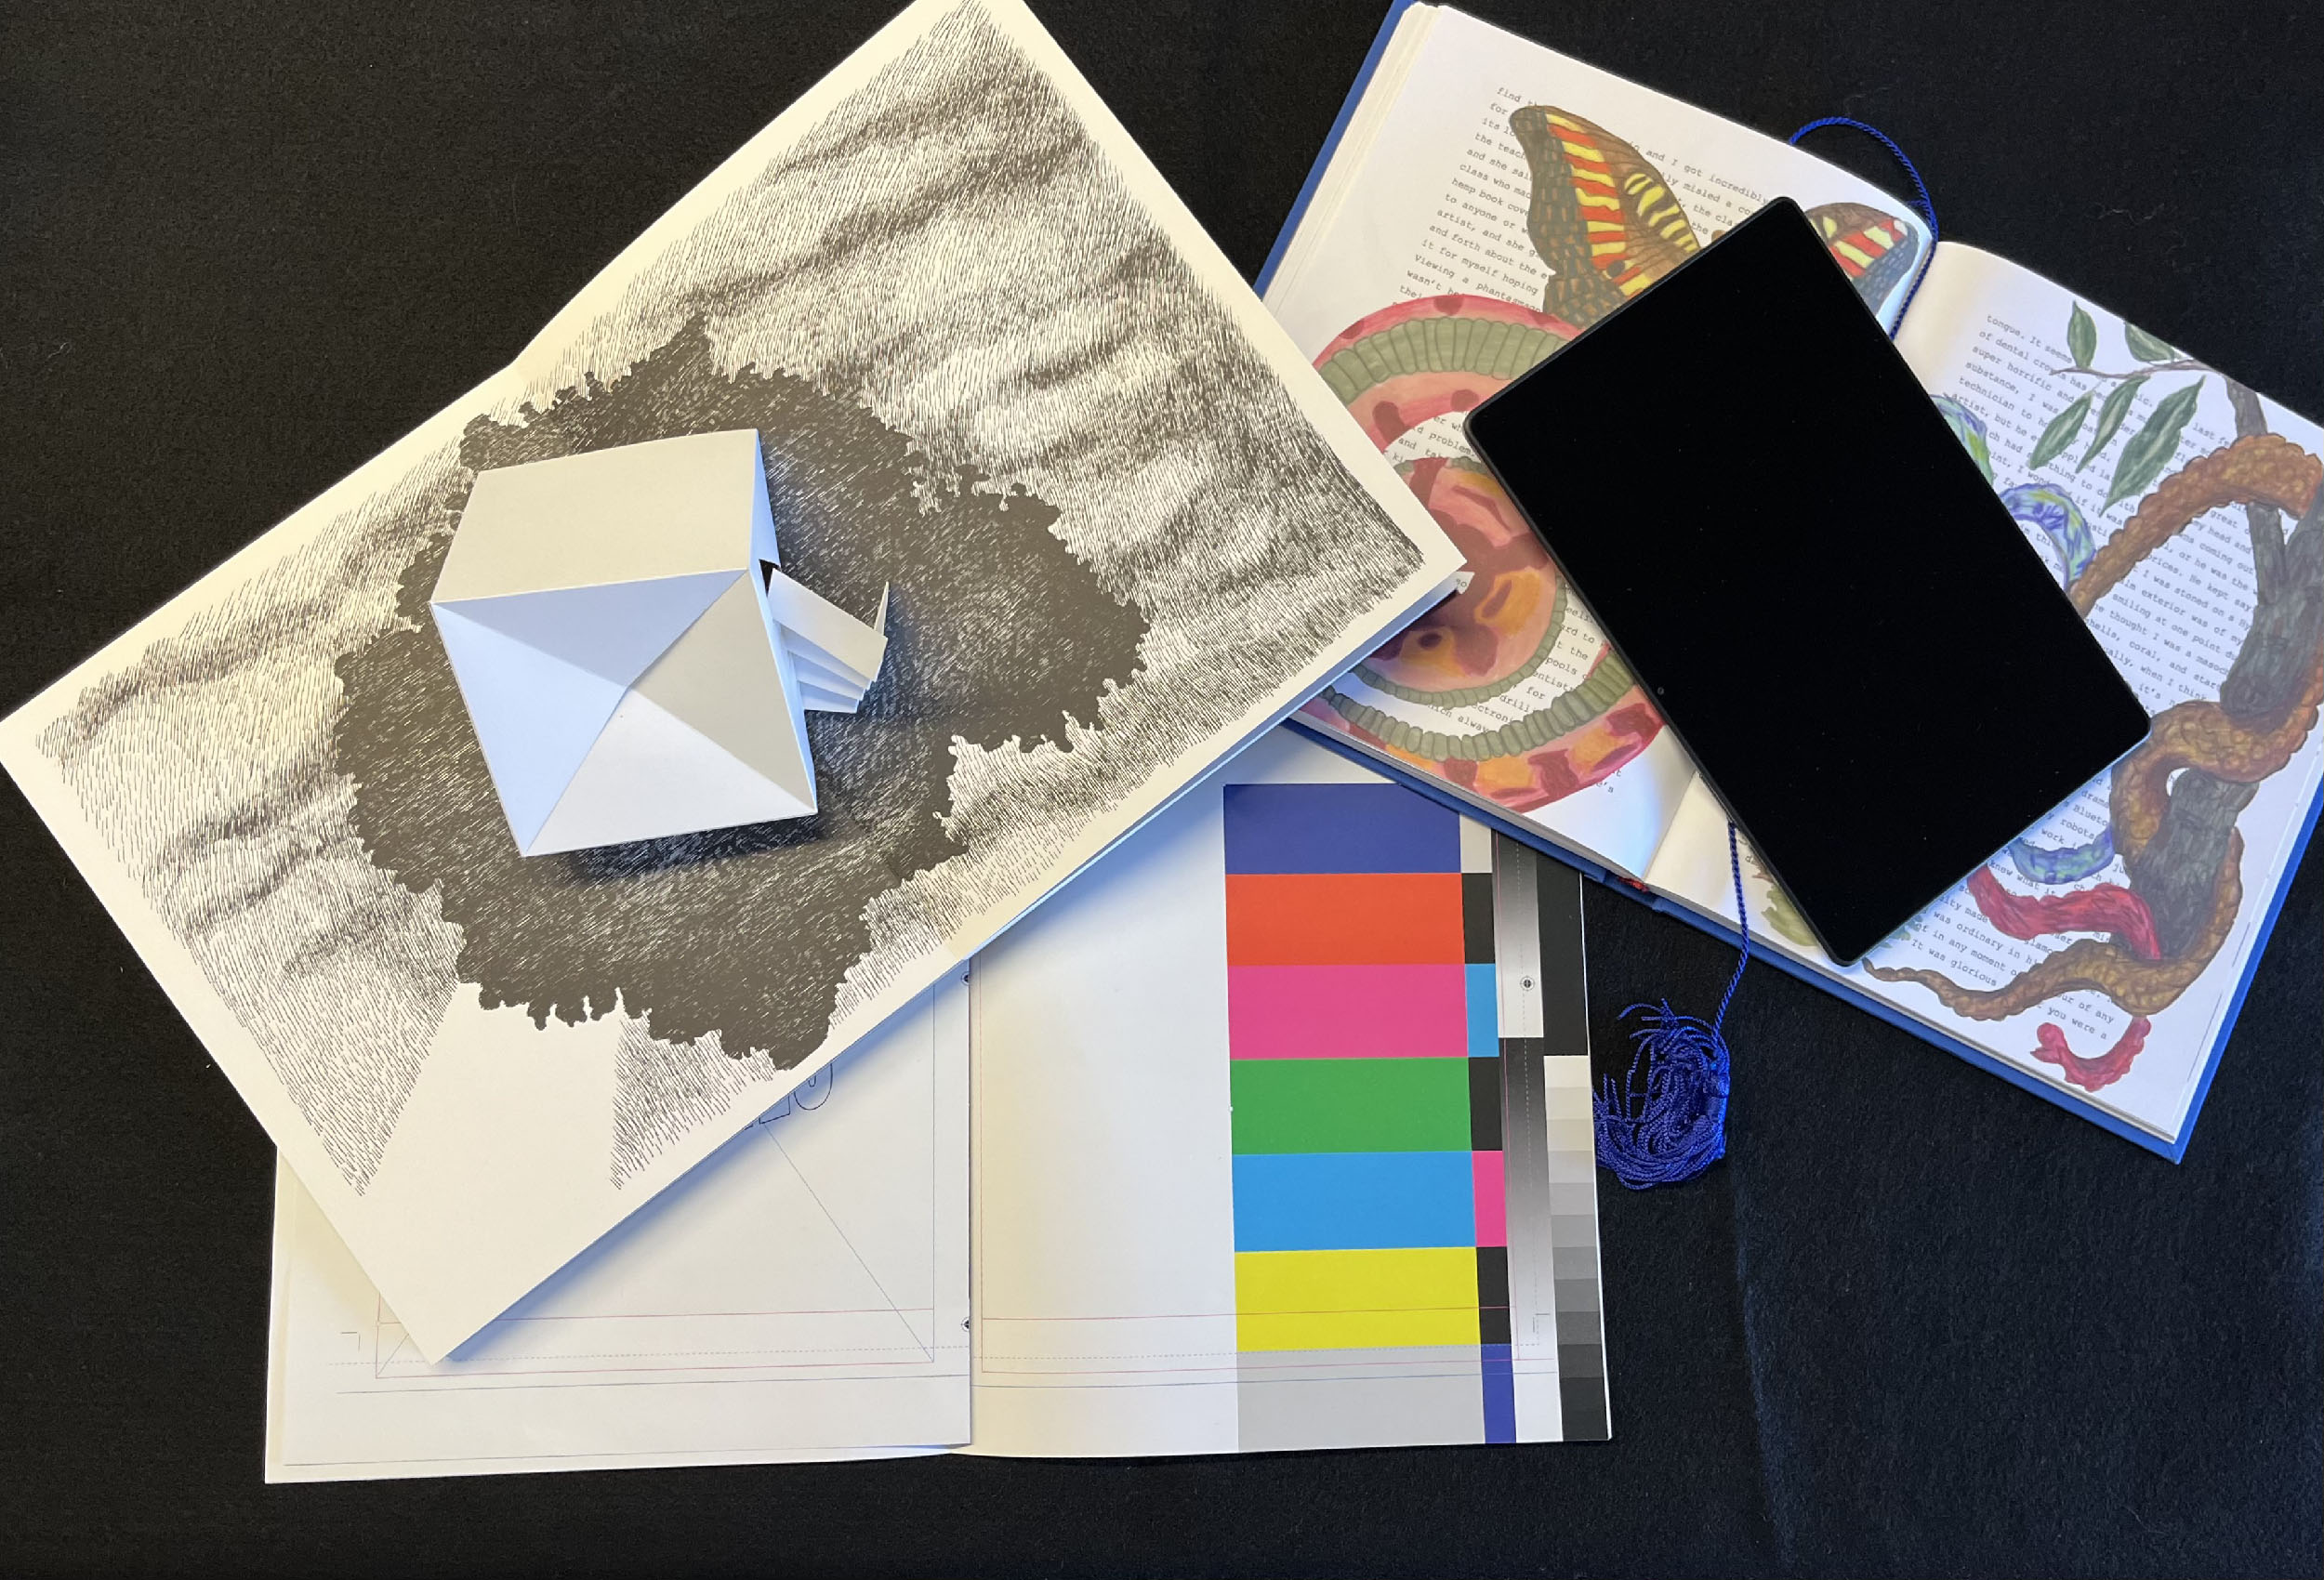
(1919, 1323)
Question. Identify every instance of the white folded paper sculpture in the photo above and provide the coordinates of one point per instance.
(633, 660)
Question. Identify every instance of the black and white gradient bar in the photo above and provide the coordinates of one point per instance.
(1550, 1161)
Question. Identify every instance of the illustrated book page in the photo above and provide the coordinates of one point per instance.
(803, 1293)
(1282, 1134)
(2104, 953)
(997, 369)
(1489, 200)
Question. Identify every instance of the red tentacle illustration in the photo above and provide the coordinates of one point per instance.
(2108, 907)
(2090, 1074)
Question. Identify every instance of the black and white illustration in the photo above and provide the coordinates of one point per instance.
(998, 372)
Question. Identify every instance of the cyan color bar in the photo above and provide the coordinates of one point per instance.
(1338, 828)
(1483, 992)
(1353, 1201)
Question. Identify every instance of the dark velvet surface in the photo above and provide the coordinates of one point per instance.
(1920, 1322)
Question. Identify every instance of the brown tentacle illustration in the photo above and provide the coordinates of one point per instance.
(2202, 735)
(2223, 751)
(2142, 987)
(2261, 470)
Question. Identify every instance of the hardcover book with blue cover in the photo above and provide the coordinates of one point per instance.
(1483, 200)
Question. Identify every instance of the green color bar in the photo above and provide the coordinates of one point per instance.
(1351, 1105)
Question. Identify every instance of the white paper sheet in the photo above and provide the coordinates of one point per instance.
(1104, 1239)
(803, 1294)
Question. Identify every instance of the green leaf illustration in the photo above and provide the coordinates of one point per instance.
(2063, 431)
(2145, 347)
(2081, 336)
(2151, 447)
(2110, 416)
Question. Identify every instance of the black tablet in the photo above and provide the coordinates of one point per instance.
(1870, 664)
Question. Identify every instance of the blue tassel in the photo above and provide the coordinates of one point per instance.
(1673, 1125)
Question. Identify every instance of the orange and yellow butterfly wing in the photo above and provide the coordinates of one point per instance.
(1873, 249)
(1601, 214)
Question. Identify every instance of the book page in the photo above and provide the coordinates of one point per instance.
(2101, 952)
(1491, 200)
(1279, 1146)
(803, 1294)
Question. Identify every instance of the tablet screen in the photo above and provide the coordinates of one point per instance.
(1873, 668)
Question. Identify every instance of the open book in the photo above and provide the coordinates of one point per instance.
(1483, 200)
(943, 289)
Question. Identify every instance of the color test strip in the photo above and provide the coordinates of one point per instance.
(1398, 1270)
(1351, 1105)
(1350, 1299)
(1351, 1009)
(1488, 1166)
(1369, 828)
(1550, 1187)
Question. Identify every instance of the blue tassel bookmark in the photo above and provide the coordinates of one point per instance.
(1672, 1125)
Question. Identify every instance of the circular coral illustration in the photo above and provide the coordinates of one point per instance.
(1402, 372)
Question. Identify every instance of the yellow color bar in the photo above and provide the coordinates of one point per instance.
(1355, 1299)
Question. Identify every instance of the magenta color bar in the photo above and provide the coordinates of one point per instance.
(1346, 1012)
(1492, 1213)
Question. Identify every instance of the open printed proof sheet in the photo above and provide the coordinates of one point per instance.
(996, 368)
(1281, 1131)
(1282, 1135)
(804, 1294)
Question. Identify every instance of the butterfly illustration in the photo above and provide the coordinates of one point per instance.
(1608, 225)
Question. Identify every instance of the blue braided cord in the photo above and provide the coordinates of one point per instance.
(1743, 919)
(1673, 1126)
(1926, 205)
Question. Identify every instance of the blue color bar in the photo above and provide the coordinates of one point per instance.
(1353, 1201)
(1501, 1393)
(1338, 828)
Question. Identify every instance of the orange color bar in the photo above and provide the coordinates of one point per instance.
(1343, 918)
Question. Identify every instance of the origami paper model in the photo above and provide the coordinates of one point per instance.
(633, 658)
